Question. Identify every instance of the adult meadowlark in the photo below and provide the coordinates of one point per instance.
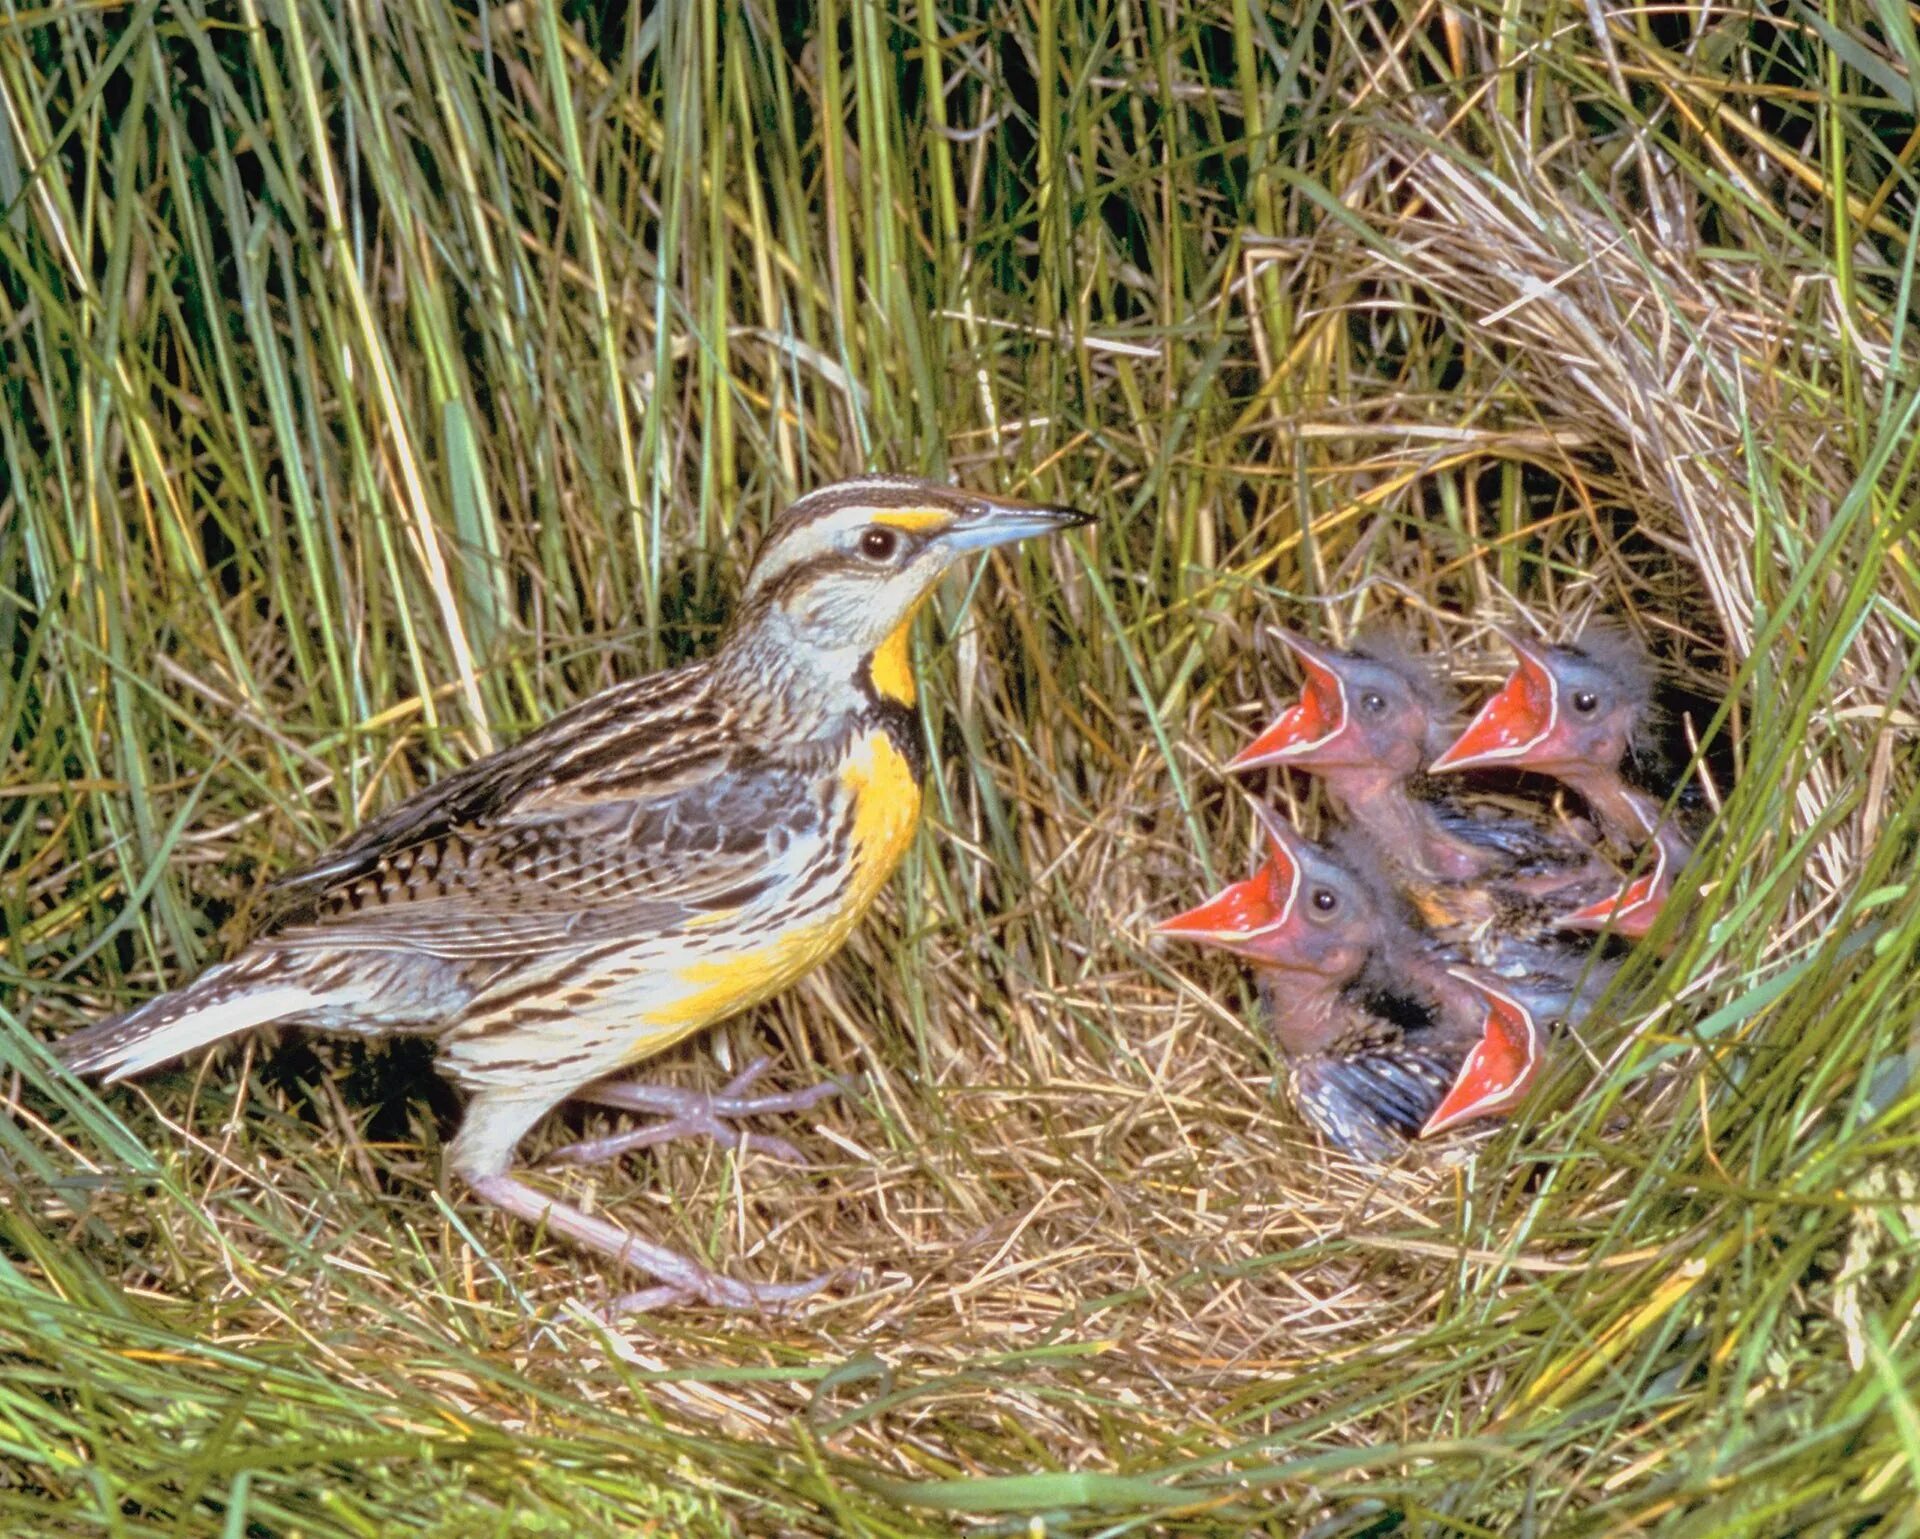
(662, 855)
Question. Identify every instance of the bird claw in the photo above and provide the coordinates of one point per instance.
(695, 1114)
(678, 1279)
(719, 1292)
(597, 1151)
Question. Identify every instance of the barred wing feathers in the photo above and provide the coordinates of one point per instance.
(521, 887)
(632, 814)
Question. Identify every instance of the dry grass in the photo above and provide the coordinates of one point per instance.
(379, 382)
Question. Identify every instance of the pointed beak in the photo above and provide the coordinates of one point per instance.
(1631, 911)
(989, 521)
(1514, 723)
(1247, 911)
(1319, 718)
(1231, 917)
(1500, 1069)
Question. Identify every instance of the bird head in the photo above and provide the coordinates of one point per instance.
(1570, 712)
(1301, 912)
(1361, 711)
(844, 569)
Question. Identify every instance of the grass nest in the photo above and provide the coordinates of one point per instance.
(375, 391)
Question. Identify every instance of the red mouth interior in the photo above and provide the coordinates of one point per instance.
(1241, 910)
(1631, 911)
(1513, 722)
(1497, 1071)
(1318, 716)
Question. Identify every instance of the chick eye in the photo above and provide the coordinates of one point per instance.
(1585, 701)
(1372, 702)
(1325, 900)
(879, 544)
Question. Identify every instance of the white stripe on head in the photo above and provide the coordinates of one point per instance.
(821, 521)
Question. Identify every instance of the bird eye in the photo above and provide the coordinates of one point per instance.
(1325, 899)
(1585, 701)
(1372, 702)
(879, 544)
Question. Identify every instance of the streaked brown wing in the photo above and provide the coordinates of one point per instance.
(647, 739)
(613, 871)
(656, 729)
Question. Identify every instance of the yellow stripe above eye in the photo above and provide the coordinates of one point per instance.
(914, 520)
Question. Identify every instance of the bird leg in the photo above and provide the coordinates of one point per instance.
(693, 1114)
(681, 1279)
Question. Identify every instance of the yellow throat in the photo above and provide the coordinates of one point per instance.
(890, 669)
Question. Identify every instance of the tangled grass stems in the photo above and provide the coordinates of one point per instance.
(380, 380)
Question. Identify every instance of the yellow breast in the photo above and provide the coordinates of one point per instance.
(879, 783)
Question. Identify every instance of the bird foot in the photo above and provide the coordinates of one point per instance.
(767, 1298)
(694, 1114)
(678, 1279)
